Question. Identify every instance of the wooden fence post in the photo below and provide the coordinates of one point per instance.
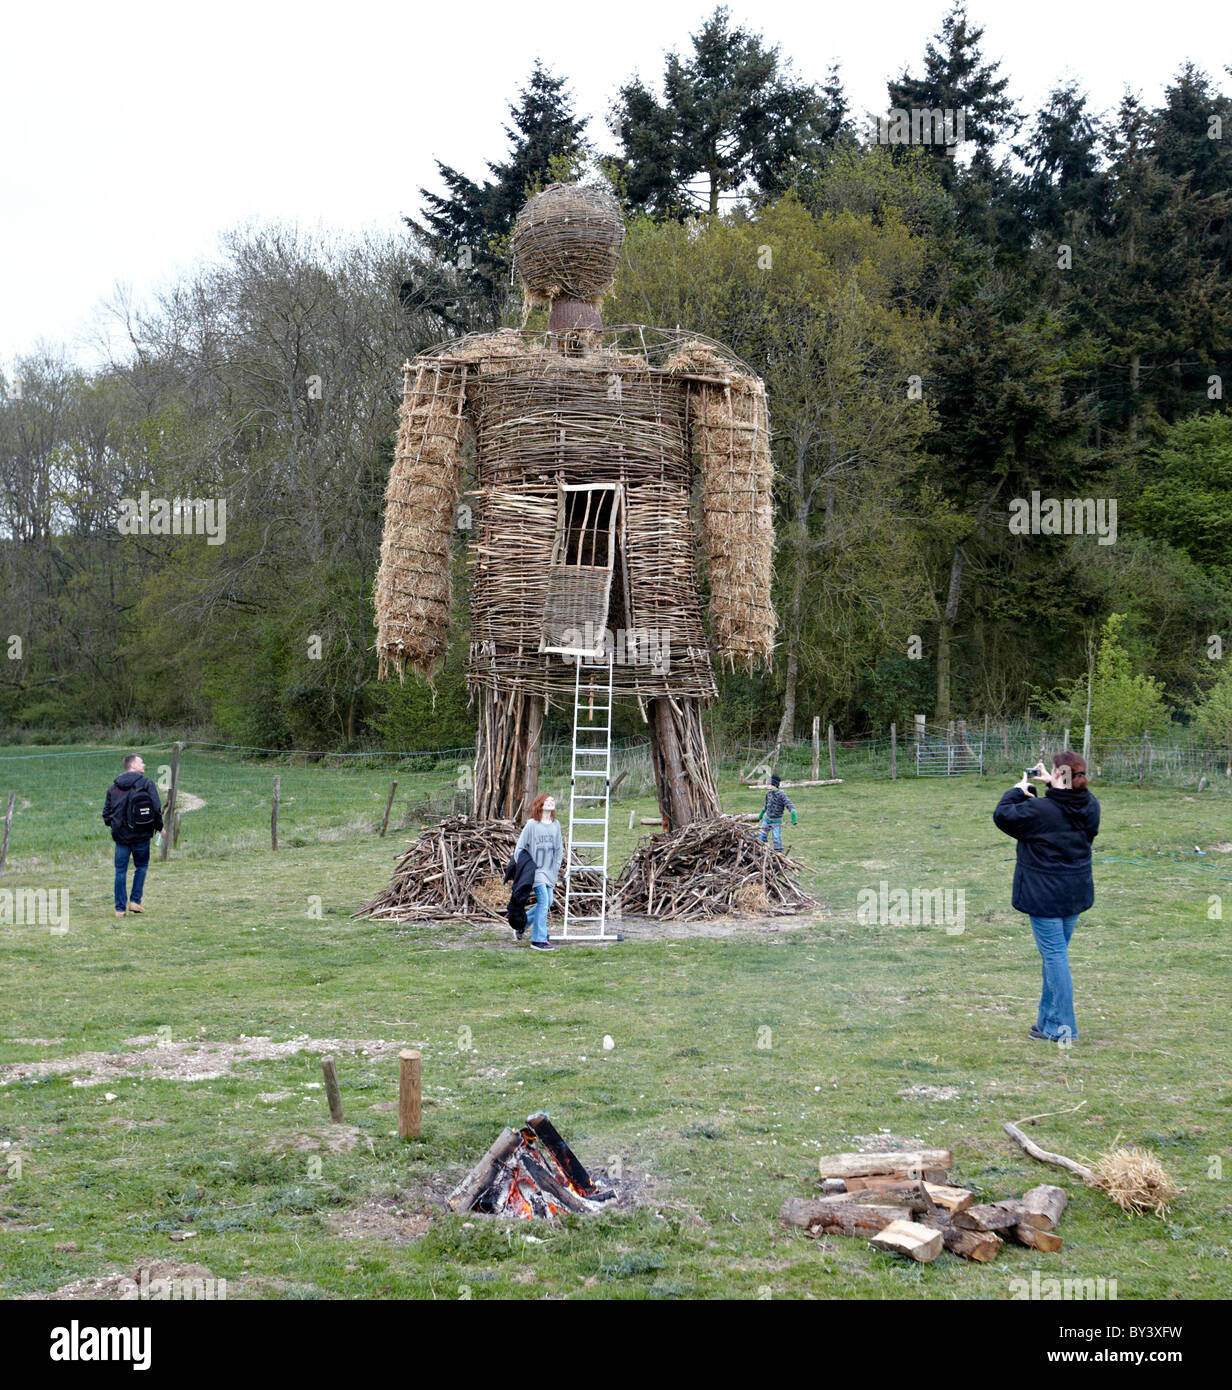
(1146, 743)
(1065, 738)
(830, 740)
(388, 805)
(920, 725)
(332, 1093)
(817, 748)
(893, 752)
(410, 1093)
(175, 830)
(8, 825)
(1005, 741)
(169, 812)
(274, 816)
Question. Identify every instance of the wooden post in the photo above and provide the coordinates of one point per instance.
(1005, 741)
(409, 1094)
(1146, 743)
(830, 738)
(393, 787)
(172, 796)
(816, 773)
(893, 752)
(8, 825)
(274, 816)
(175, 830)
(332, 1093)
(919, 728)
(1065, 737)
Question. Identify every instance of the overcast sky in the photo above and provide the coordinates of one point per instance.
(134, 133)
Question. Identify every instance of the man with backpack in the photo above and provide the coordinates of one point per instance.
(133, 813)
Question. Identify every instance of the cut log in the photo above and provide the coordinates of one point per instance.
(548, 1135)
(990, 1216)
(1036, 1237)
(817, 1215)
(936, 1176)
(908, 1162)
(980, 1246)
(463, 1196)
(921, 1243)
(911, 1196)
(951, 1198)
(830, 1186)
(1043, 1206)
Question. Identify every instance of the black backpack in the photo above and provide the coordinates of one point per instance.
(137, 814)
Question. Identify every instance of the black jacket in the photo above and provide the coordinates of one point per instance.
(113, 807)
(1054, 832)
(522, 871)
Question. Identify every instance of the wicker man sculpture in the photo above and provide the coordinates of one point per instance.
(585, 443)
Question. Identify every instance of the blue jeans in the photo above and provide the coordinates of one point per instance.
(141, 862)
(539, 913)
(1056, 1011)
(776, 826)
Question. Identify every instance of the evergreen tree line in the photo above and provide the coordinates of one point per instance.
(955, 334)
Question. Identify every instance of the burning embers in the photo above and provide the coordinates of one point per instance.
(529, 1172)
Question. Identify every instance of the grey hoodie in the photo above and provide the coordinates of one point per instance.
(547, 848)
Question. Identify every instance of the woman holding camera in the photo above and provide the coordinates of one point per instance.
(1052, 879)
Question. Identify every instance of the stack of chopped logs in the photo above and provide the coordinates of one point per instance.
(711, 868)
(904, 1203)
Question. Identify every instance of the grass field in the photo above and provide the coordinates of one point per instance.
(738, 1059)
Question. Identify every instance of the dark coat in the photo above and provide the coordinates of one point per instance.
(113, 807)
(1054, 832)
(522, 871)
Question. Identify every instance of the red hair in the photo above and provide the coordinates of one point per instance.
(537, 808)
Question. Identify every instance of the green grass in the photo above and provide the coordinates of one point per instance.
(737, 1062)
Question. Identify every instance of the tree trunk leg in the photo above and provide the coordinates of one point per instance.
(683, 774)
(506, 720)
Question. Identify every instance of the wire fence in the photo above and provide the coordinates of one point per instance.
(224, 794)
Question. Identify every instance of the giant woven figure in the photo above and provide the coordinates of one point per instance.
(586, 444)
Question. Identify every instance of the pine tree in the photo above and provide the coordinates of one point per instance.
(470, 224)
(956, 78)
(731, 119)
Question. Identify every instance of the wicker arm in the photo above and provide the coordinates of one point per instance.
(413, 583)
(731, 441)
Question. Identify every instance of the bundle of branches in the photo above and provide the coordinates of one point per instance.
(453, 869)
(711, 868)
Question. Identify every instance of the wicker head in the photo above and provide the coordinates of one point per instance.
(566, 243)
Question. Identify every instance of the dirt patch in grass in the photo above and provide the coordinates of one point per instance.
(464, 934)
(331, 1138)
(391, 1219)
(182, 1061)
(126, 1287)
(922, 1092)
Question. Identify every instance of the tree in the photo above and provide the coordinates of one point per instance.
(1125, 704)
(1063, 156)
(731, 119)
(1187, 494)
(471, 223)
(1212, 715)
(956, 78)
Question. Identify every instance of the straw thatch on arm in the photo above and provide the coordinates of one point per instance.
(731, 435)
(413, 588)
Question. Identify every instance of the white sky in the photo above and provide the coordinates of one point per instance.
(134, 133)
